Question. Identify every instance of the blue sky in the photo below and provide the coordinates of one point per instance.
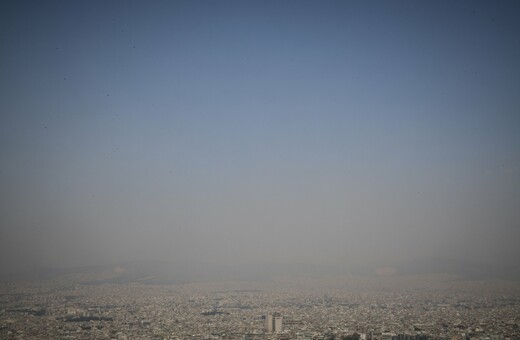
(373, 131)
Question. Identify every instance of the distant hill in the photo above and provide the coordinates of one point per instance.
(165, 272)
(463, 269)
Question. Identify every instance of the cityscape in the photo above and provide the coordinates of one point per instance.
(260, 169)
(421, 307)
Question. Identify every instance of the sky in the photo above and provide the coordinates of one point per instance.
(350, 133)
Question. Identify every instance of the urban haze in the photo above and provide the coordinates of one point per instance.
(266, 169)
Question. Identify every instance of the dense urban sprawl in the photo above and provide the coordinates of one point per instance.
(310, 308)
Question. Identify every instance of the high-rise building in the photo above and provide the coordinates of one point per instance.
(269, 323)
(273, 323)
(278, 323)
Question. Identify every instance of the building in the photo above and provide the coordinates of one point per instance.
(273, 323)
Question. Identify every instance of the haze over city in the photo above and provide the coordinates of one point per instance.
(345, 134)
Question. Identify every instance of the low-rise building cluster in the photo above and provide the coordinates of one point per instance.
(65, 308)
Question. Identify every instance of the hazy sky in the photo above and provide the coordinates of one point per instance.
(356, 133)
